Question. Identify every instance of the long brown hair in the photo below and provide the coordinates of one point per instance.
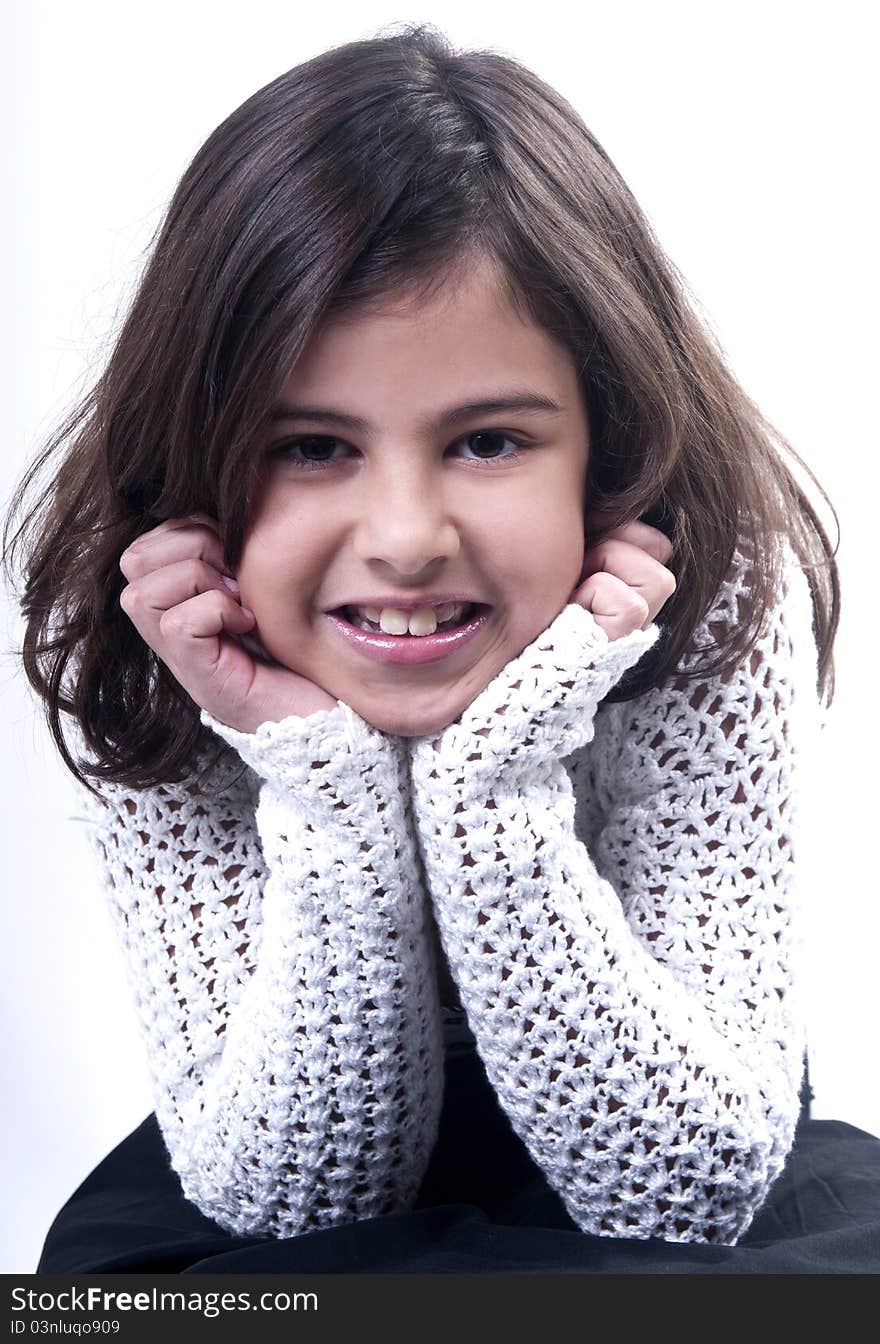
(373, 169)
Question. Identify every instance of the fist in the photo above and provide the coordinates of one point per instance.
(186, 608)
(624, 580)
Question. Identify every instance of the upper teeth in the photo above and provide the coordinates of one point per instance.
(422, 621)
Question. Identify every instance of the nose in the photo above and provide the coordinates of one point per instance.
(404, 522)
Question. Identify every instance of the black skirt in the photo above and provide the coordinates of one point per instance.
(483, 1207)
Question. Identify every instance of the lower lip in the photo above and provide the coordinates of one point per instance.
(410, 649)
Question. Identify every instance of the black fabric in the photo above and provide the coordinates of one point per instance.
(484, 1207)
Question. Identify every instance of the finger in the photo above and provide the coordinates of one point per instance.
(616, 607)
(635, 567)
(198, 644)
(147, 600)
(163, 546)
(203, 617)
(185, 520)
(172, 525)
(197, 640)
(643, 535)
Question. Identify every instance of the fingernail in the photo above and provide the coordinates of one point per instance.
(231, 584)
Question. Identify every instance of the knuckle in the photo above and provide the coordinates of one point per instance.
(173, 623)
(128, 599)
(191, 575)
(209, 572)
(206, 578)
(131, 565)
(202, 520)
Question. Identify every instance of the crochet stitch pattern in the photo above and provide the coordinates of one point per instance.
(614, 890)
(635, 1003)
(281, 964)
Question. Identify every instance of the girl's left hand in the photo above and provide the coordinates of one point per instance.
(624, 580)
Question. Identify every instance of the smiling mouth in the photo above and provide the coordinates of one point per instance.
(410, 650)
(417, 625)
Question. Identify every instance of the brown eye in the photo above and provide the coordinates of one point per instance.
(309, 450)
(488, 445)
(316, 448)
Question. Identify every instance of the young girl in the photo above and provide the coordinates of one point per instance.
(445, 871)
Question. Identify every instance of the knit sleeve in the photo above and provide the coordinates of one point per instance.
(636, 1005)
(277, 939)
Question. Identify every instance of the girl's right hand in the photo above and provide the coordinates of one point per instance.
(186, 610)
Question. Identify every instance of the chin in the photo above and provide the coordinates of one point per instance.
(416, 722)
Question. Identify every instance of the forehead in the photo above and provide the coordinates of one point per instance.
(478, 270)
(465, 329)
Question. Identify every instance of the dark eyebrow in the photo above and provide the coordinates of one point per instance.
(525, 401)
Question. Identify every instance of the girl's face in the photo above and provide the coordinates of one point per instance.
(387, 486)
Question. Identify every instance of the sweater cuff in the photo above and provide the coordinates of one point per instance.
(542, 703)
(338, 743)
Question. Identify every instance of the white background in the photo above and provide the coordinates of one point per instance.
(747, 133)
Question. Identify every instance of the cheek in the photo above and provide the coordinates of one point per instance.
(570, 535)
(546, 547)
(254, 568)
(282, 559)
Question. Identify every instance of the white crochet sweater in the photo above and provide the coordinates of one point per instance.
(615, 897)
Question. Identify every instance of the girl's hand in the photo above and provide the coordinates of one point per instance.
(187, 610)
(624, 581)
